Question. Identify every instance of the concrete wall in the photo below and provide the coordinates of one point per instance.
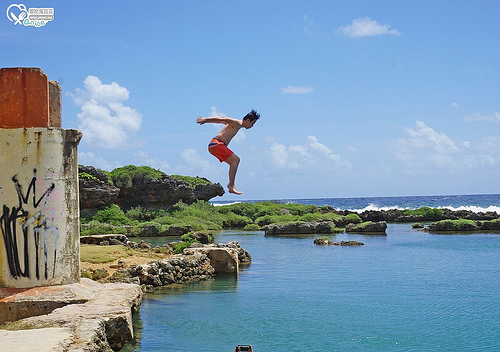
(39, 208)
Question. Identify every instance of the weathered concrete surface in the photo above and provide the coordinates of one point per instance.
(40, 340)
(18, 303)
(102, 323)
(39, 209)
(55, 107)
(24, 98)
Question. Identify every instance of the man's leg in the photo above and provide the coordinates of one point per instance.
(233, 162)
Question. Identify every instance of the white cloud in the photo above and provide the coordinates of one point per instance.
(214, 112)
(104, 120)
(297, 90)
(455, 105)
(312, 156)
(425, 150)
(366, 27)
(89, 158)
(193, 164)
(494, 117)
(308, 25)
(153, 162)
(424, 137)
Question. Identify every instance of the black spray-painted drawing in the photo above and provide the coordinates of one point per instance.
(28, 219)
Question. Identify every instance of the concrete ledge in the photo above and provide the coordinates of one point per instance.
(19, 303)
(40, 340)
(102, 323)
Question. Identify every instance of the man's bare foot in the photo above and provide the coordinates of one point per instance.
(232, 189)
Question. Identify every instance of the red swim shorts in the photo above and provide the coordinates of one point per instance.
(218, 148)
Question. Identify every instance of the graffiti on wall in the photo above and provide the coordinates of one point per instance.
(28, 230)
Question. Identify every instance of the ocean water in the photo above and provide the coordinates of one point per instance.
(405, 291)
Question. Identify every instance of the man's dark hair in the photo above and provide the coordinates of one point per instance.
(252, 115)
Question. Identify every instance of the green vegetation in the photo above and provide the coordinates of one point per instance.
(180, 246)
(203, 216)
(193, 181)
(95, 227)
(425, 213)
(362, 225)
(334, 229)
(455, 225)
(122, 177)
(86, 176)
(353, 218)
(112, 214)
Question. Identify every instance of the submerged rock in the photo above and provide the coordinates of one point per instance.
(326, 242)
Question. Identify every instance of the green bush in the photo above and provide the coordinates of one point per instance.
(180, 246)
(193, 181)
(425, 213)
(316, 217)
(455, 225)
(113, 215)
(275, 219)
(122, 177)
(334, 229)
(86, 176)
(143, 214)
(139, 229)
(353, 218)
(97, 228)
(252, 227)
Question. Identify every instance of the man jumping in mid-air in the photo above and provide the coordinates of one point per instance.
(218, 145)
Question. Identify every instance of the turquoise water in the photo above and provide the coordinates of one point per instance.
(406, 291)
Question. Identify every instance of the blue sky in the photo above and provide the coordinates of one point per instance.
(357, 98)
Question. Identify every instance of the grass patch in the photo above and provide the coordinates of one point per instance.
(102, 254)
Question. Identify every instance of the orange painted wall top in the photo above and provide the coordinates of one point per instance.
(24, 98)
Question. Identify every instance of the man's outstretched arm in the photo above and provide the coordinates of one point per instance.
(217, 119)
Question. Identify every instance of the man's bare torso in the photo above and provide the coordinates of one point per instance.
(229, 131)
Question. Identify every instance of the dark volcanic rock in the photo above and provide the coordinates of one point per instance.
(299, 228)
(373, 227)
(96, 191)
(163, 192)
(327, 242)
(390, 215)
(201, 237)
(468, 214)
(396, 215)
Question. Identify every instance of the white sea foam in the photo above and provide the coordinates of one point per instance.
(374, 207)
(474, 208)
(221, 204)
